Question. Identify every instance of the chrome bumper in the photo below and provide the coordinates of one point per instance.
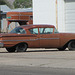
(1, 45)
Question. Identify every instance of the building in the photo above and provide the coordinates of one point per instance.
(60, 13)
(21, 16)
(9, 18)
(3, 22)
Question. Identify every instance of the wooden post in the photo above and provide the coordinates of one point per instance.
(56, 15)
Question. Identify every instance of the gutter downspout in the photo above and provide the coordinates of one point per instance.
(56, 15)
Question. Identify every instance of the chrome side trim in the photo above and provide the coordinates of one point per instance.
(1, 45)
(31, 39)
(48, 38)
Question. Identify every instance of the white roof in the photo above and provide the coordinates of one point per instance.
(22, 10)
(4, 8)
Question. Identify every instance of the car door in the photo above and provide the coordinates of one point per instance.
(34, 39)
(48, 39)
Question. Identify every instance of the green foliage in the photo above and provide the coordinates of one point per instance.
(2, 2)
(8, 4)
(22, 3)
(5, 2)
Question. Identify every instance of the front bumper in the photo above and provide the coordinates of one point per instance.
(1, 45)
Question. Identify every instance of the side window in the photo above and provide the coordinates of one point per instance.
(46, 30)
(34, 31)
(41, 30)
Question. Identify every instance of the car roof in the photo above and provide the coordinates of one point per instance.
(38, 26)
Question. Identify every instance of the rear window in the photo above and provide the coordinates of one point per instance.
(18, 30)
(56, 31)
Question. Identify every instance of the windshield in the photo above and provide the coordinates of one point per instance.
(18, 30)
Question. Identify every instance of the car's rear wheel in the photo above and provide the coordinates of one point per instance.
(71, 45)
(21, 47)
(11, 49)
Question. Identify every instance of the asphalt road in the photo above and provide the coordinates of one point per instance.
(11, 70)
(37, 62)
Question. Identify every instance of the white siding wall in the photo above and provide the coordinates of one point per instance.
(61, 15)
(70, 17)
(44, 12)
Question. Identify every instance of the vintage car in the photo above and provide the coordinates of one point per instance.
(36, 36)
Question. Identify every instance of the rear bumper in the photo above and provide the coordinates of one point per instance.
(1, 45)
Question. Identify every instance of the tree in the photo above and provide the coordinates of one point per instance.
(23, 3)
(5, 2)
(2, 2)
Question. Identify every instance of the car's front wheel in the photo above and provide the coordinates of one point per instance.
(71, 45)
(21, 47)
(11, 49)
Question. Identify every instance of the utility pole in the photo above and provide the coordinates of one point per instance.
(56, 14)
